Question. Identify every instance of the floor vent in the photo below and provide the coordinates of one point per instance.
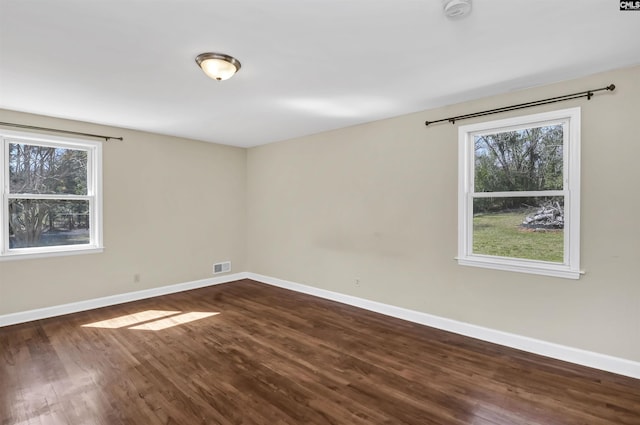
(222, 267)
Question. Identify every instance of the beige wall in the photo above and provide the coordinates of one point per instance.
(378, 202)
(173, 207)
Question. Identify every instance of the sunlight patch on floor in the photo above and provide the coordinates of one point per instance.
(180, 319)
(153, 320)
(131, 319)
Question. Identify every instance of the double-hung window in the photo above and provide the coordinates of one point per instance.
(519, 194)
(51, 196)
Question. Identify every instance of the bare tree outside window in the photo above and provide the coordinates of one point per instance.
(42, 179)
(525, 160)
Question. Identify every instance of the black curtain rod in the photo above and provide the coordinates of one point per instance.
(77, 133)
(588, 94)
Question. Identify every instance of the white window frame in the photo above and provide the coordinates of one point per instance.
(570, 267)
(94, 195)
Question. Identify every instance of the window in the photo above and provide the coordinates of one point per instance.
(51, 202)
(519, 194)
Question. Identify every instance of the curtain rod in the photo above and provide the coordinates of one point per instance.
(77, 133)
(588, 94)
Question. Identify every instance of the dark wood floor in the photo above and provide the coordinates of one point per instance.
(273, 356)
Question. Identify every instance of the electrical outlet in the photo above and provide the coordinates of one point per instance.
(357, 281)
(136, 278)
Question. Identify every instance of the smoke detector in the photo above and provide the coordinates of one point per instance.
(456, 8)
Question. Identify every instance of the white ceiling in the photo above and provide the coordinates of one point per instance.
(307, 65)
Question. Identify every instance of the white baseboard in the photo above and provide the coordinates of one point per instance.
(531, 345)
(59, 310)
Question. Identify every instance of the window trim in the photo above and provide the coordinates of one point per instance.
(94, 195)
(570, 267)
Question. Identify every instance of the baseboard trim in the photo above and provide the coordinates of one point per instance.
(569, 354)
(59, 310)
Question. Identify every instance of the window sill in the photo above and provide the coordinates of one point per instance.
(520, 266)
(29, 254)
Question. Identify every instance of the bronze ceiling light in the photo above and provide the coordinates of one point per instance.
(456, 8)
(217, 65)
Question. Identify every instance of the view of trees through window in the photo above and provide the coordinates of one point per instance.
(510, 218)
(46, 186)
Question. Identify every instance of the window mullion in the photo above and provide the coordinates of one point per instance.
(46, 196)
(4, 220)
(519, 194)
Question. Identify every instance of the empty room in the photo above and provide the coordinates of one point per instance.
(319, 212)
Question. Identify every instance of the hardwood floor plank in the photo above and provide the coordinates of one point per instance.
(264, 355)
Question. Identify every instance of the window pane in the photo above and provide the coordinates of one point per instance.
(38, 222)
(521, 160)
(526, 228)
(47, 170)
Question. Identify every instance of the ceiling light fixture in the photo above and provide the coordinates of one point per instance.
(456, 8)
(217, 65)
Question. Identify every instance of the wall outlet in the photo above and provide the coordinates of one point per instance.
(222, 267)
(136, 278)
